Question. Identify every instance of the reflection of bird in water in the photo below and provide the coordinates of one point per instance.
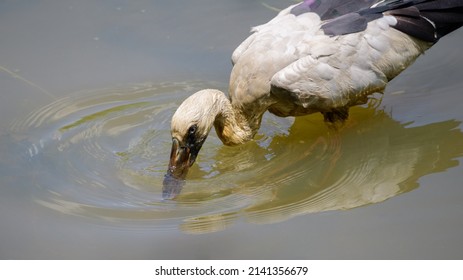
(315, 56)
(372, 164)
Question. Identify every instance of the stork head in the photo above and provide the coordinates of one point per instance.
(190, 126)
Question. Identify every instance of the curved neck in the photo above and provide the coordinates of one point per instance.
(231, 124)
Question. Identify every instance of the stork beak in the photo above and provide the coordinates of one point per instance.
(181, 158)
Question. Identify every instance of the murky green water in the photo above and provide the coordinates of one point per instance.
(85, 142)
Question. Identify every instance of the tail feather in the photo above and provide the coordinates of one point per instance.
(430, 20)
(438, 4)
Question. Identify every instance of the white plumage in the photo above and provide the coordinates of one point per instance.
(321, 72)
(315, 56)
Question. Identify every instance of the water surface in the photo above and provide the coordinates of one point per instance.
(88, 91)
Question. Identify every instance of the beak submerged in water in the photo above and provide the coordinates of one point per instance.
(182, 158)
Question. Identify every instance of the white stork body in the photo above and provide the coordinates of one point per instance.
(291, 66)
(316, 56)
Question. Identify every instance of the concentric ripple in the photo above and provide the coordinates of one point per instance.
(103, 154)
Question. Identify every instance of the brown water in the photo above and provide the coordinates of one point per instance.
(87, 94)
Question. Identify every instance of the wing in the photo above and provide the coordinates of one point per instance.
(330, 9)
(361, 51)
(427, 20)
(342, 70)
(321, 55)
(326, 9)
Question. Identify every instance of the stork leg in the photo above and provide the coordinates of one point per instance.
(337, 115)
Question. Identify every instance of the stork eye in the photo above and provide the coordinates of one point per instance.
(192, 129)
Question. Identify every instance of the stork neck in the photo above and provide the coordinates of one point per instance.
(231, 124)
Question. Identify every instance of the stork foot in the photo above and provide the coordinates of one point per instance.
(337, 115)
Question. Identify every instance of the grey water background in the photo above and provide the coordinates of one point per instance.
(87, 92)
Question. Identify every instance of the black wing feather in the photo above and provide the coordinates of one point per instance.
(428, 20)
